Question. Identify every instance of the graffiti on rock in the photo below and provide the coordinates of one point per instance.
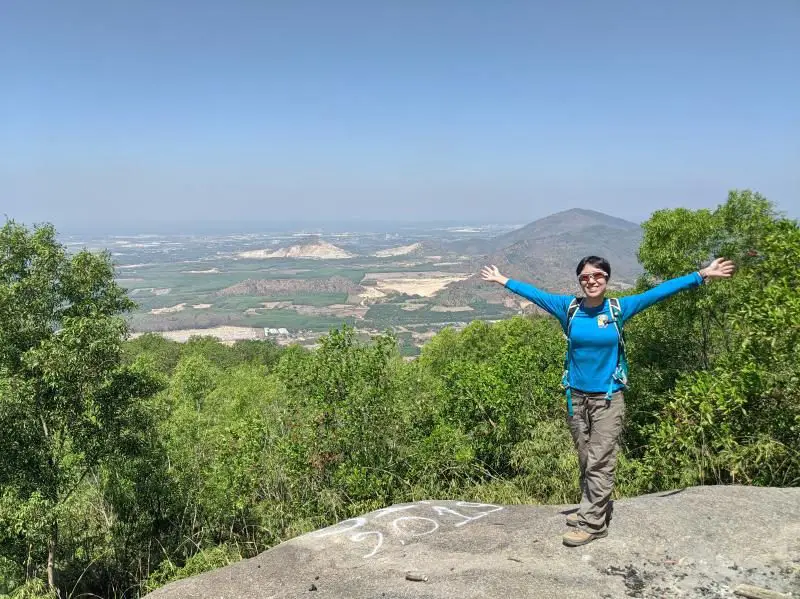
(407, 521)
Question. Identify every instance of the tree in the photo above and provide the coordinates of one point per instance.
(721, 364)
(347, 423)
(499, 387)
(67, 401)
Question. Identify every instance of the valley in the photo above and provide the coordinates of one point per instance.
(294, 286)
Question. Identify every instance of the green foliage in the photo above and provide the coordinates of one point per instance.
(547, 464)
(347, 426)
(66, 399)
(499, 394)
(163, 353)
(31, 589)
(497, 381)
(202, 561)
(735, 419)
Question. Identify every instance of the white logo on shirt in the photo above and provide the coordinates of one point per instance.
(602, 321)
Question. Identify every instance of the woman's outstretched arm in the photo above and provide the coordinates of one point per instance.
(633, 304)
(556, 305)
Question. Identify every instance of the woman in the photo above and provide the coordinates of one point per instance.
(595, 373)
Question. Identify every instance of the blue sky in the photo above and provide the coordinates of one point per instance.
(197, 111)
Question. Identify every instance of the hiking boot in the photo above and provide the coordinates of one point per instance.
(579, 536)
(572, 519)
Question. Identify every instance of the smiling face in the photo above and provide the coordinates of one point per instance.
(593, 281)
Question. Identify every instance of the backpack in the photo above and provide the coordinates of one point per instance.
(621, 372)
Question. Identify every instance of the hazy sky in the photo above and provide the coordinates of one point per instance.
(158, 111)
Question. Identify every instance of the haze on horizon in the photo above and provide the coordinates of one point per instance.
(155, 113)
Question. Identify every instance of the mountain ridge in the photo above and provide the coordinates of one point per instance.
(559, 223)
(545, 252)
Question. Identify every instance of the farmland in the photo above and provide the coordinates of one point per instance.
(294, 285)
(237, 286)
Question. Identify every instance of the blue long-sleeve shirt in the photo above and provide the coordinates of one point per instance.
(593, 343)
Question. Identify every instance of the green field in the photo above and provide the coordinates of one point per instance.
(165, 285)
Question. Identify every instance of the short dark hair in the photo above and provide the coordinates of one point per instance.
(596, 261)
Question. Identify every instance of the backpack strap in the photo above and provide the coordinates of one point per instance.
(616, 317)
(621, 371)
(571, 311)
(573, 308)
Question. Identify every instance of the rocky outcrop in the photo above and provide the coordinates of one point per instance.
(402, 250)
(695, 542)
(318, 250)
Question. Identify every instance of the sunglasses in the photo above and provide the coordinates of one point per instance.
(593, 276)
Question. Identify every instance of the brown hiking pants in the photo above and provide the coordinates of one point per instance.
(596, 425)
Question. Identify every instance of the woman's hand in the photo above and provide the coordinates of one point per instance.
(718, 269)
(490, 273)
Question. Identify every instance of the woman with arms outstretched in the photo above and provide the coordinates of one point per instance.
(595, 373)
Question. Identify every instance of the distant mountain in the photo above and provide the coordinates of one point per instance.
(576, 221)
(546, 252)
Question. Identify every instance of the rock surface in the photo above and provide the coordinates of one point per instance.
(695, 542)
